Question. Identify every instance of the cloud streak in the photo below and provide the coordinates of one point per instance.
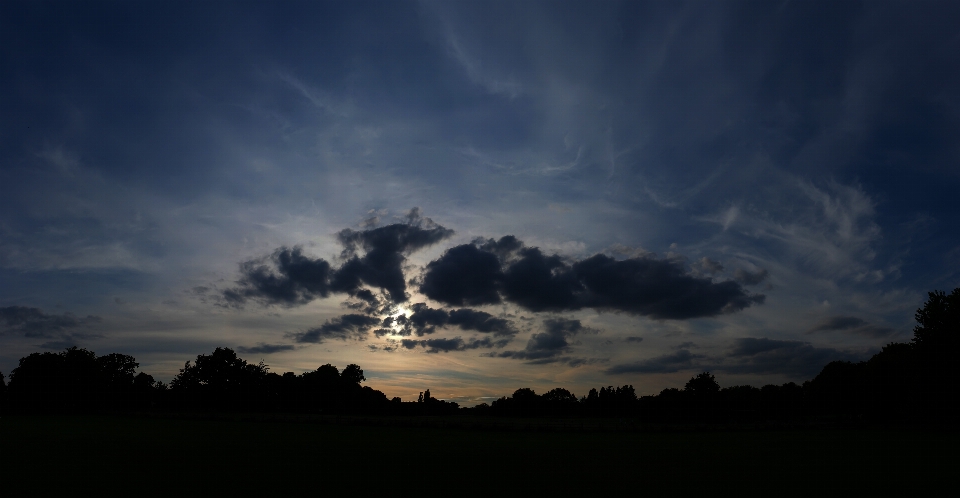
(351, 326)
(747, 355)
(772, 356)
(425, 320)
(33, 322)
(850, 325)
(549, 346)
(263, 348)
(674, 362)
(443, 345)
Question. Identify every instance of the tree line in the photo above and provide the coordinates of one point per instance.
(77, 380)
(903, 382)
(908, 382)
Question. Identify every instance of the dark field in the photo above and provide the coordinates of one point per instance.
(184, 457)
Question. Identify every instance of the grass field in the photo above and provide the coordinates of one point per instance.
(187, 457)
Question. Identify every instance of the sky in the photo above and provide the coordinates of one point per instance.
(474, 197)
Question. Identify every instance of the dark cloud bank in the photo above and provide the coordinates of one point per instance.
(288, 277)
(488, 272)
(63, 330)
(441, 345)
(850, 325)
(550, 345)
(491, 272)
(747, 355)
(351, 326)
(263, 348)
(484, 272)
(425, 320)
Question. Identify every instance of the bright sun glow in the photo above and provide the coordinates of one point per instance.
(397, 313)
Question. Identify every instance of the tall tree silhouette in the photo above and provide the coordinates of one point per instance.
(559, 401)
(116, 376)
(353, 374)
(936, 338)
(938, 322)
(702, 385)
(3, 393)
(220, 380)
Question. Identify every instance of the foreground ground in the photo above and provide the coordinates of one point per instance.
(186, 457)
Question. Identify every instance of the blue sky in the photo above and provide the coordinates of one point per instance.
(750, 188)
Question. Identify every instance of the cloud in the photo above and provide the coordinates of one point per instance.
(351, 326)
(465, 275)
(480, 321)
(385, 247)
(827, 230)
(708, 266)
(33, 322)
(657, 288)
(475, 71)
(290, 278)
(487, 272)
(746, 356)
(549, 345)
(771, 356)
(262, 348)
(850, 325)
(748, 278)
(383, 331)
(286, 277)
(441, 345)
(388, 348)
(838, 323)
(425, 320)
(634, 338)
(674, 362)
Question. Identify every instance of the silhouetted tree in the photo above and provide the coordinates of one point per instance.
(740, 395)
(703, 385)
(522, 402)
(320, 389)
(611, 400)
(428, 405)
(671, 393)
(220, 380)
(143, 384)
(838, 389)
(525, 395)
(323, 381)
(116, 376)
(65, 380)
(3, 393)
(938, 322)
(353, 374)
(143, 381)
(892, 378)
(936, 338)
(560, 401)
